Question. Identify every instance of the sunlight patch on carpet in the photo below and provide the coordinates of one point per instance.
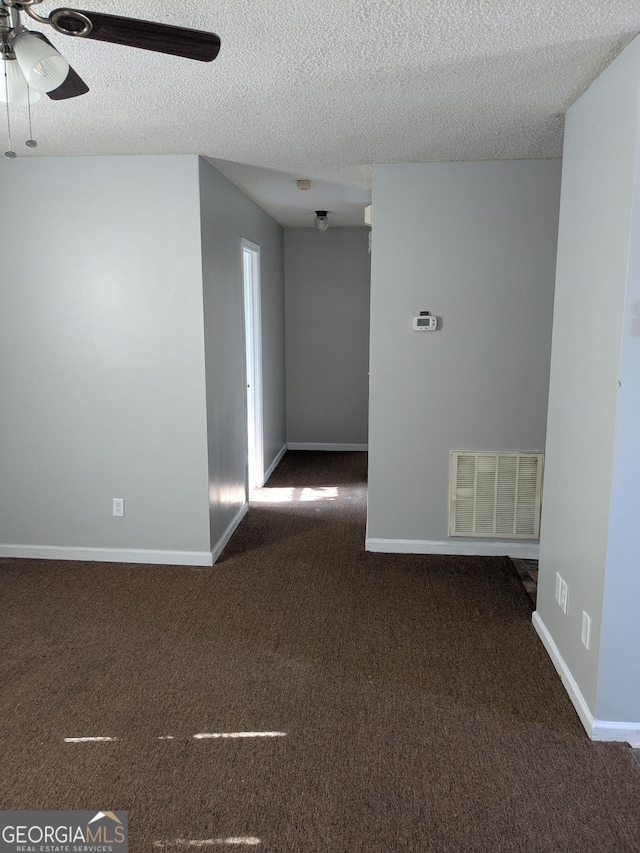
(88, 739)
(272, 496)
(242, 841)
(199, 736)
(206, 735)
(323, 493)
(287, 494)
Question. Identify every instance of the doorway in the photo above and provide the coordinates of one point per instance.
(253, 363)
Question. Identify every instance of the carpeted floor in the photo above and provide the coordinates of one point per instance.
(386, 702)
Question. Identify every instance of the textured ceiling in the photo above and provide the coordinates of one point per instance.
(322, 89)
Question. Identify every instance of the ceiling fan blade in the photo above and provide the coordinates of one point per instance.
(178, 41)
(73, 86)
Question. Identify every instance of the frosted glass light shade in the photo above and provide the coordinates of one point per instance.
(42, 65)
(14, 85)
(322, 220)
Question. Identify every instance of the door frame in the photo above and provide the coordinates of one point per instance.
(252, 310)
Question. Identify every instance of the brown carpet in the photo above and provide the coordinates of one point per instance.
(418, 710)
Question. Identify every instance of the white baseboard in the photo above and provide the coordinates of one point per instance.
(275, 462)
(318, 445)
(128, 555)
(596, 729)
(463, 547)
(108, 555)
(569, 682)
(228, 533)
(611, 730)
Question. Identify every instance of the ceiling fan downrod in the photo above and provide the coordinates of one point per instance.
(75, 23)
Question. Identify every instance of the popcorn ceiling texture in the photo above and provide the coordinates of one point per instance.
(322, 89)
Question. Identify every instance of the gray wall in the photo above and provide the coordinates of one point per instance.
(590, 532)
(327, 334)
(475, 244)
(227, 216)
(102, 381)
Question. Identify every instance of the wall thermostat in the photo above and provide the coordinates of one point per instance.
(425, 323)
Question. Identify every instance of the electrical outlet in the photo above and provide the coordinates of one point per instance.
(118, 507)
(564, 596)
(585, 634)
(558, 587)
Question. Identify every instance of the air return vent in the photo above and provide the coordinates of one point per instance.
(495, 494)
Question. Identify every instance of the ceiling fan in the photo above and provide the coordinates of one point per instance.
(32, 65)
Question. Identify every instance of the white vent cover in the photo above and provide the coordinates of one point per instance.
(495, 494)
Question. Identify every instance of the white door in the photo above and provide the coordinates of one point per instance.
(253, 363)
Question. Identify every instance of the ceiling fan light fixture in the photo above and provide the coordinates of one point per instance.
(14, 88)
(321, 221)
(43, 67)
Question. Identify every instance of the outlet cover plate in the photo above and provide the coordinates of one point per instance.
(564, 596)
(585, 634)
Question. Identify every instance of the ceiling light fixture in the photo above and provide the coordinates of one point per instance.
(43, 67)
(322, 220)
(14, 86)
(31, 65)
(14, 89)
